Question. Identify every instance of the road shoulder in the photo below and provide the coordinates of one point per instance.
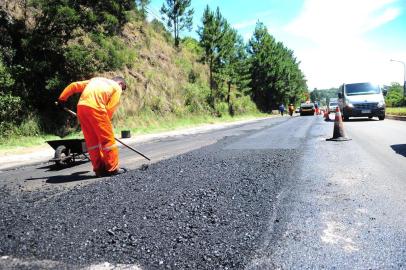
(396, 117)
(39, 154)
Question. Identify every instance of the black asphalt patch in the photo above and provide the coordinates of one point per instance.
(207, 209)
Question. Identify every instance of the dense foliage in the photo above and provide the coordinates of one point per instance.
(266, 70)
(323, 96)
(394, 96)
(225, 55)
(50, 43)
(275, 74)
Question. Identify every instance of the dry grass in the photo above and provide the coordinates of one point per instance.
(396, 111)
(156, 81)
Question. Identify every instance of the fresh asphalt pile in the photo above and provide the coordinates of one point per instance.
(207, 209)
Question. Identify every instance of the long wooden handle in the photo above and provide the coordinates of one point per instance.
(129, 147)
(67, 110)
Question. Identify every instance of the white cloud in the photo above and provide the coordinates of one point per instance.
(244, 24)
(387, 16)
(340, 51)
(258, 17)
(323, 20)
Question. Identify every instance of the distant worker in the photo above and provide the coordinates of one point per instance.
(316, 106)
(291, 109)
(281, 109)
(98, 101)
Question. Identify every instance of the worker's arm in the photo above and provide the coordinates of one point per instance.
(113, 103)
(75, 87)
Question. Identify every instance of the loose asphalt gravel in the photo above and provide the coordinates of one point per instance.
(206, 209)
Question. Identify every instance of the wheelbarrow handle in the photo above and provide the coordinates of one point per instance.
(129, 147)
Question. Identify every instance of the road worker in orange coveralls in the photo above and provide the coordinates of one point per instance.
(98, 101)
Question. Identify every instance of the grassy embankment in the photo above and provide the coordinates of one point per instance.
(167, 89)
(147, 125)
(400, 111)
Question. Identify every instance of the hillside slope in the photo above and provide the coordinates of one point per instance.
(159, 78)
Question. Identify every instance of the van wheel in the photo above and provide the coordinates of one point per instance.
(381, 117)
(345, 118)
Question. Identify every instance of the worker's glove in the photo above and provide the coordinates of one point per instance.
(61, 104)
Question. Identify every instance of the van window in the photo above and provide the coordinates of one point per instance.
(333, 103)
(361, 89)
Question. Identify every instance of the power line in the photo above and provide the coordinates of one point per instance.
(153, 12)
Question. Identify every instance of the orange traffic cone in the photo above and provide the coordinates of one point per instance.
(338, 134)
(326, 115)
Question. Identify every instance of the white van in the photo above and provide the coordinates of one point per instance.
(361, 100)
(332, 106)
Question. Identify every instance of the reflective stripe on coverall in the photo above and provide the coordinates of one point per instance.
(100, 142)
(97, 104)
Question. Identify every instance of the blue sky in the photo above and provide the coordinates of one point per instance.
(336, 41)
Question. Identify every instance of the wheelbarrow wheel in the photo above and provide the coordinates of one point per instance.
(62, 156)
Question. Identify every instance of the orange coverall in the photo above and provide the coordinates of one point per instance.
(97, 104)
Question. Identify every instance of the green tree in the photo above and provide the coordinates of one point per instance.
(228, 54)
(10, 105)
(260, 48)
(234, 68)
(275, 74)
(6, 80)
(178, 16)
(394, 97)
(241, 66)
(45, 51)
(227, 59)
(211, 35)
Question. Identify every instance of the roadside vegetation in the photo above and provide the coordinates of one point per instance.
(398, 111)
(172, 81)
(394, 96)
(323, 96)
(140, 125)
(395, 101)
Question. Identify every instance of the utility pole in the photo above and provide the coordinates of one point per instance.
(404, 75)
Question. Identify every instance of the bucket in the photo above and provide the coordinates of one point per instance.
(125, 134)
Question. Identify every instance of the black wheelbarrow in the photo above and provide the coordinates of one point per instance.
(67, 151)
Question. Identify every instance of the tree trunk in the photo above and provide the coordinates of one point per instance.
(175, 31)
(228, 93)
(211, 85)
(230, 107)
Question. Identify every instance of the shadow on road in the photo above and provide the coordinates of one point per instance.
(54, 167)
(399, 149)
(58, 179)
(361, 120)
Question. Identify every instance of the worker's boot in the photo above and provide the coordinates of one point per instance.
(117, 172)
(100, 172)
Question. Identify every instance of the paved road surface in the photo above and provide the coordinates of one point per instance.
(268, 195)
(46, 176)
(345, 208)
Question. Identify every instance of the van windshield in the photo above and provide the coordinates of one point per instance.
(361, 89)
(333, 103)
